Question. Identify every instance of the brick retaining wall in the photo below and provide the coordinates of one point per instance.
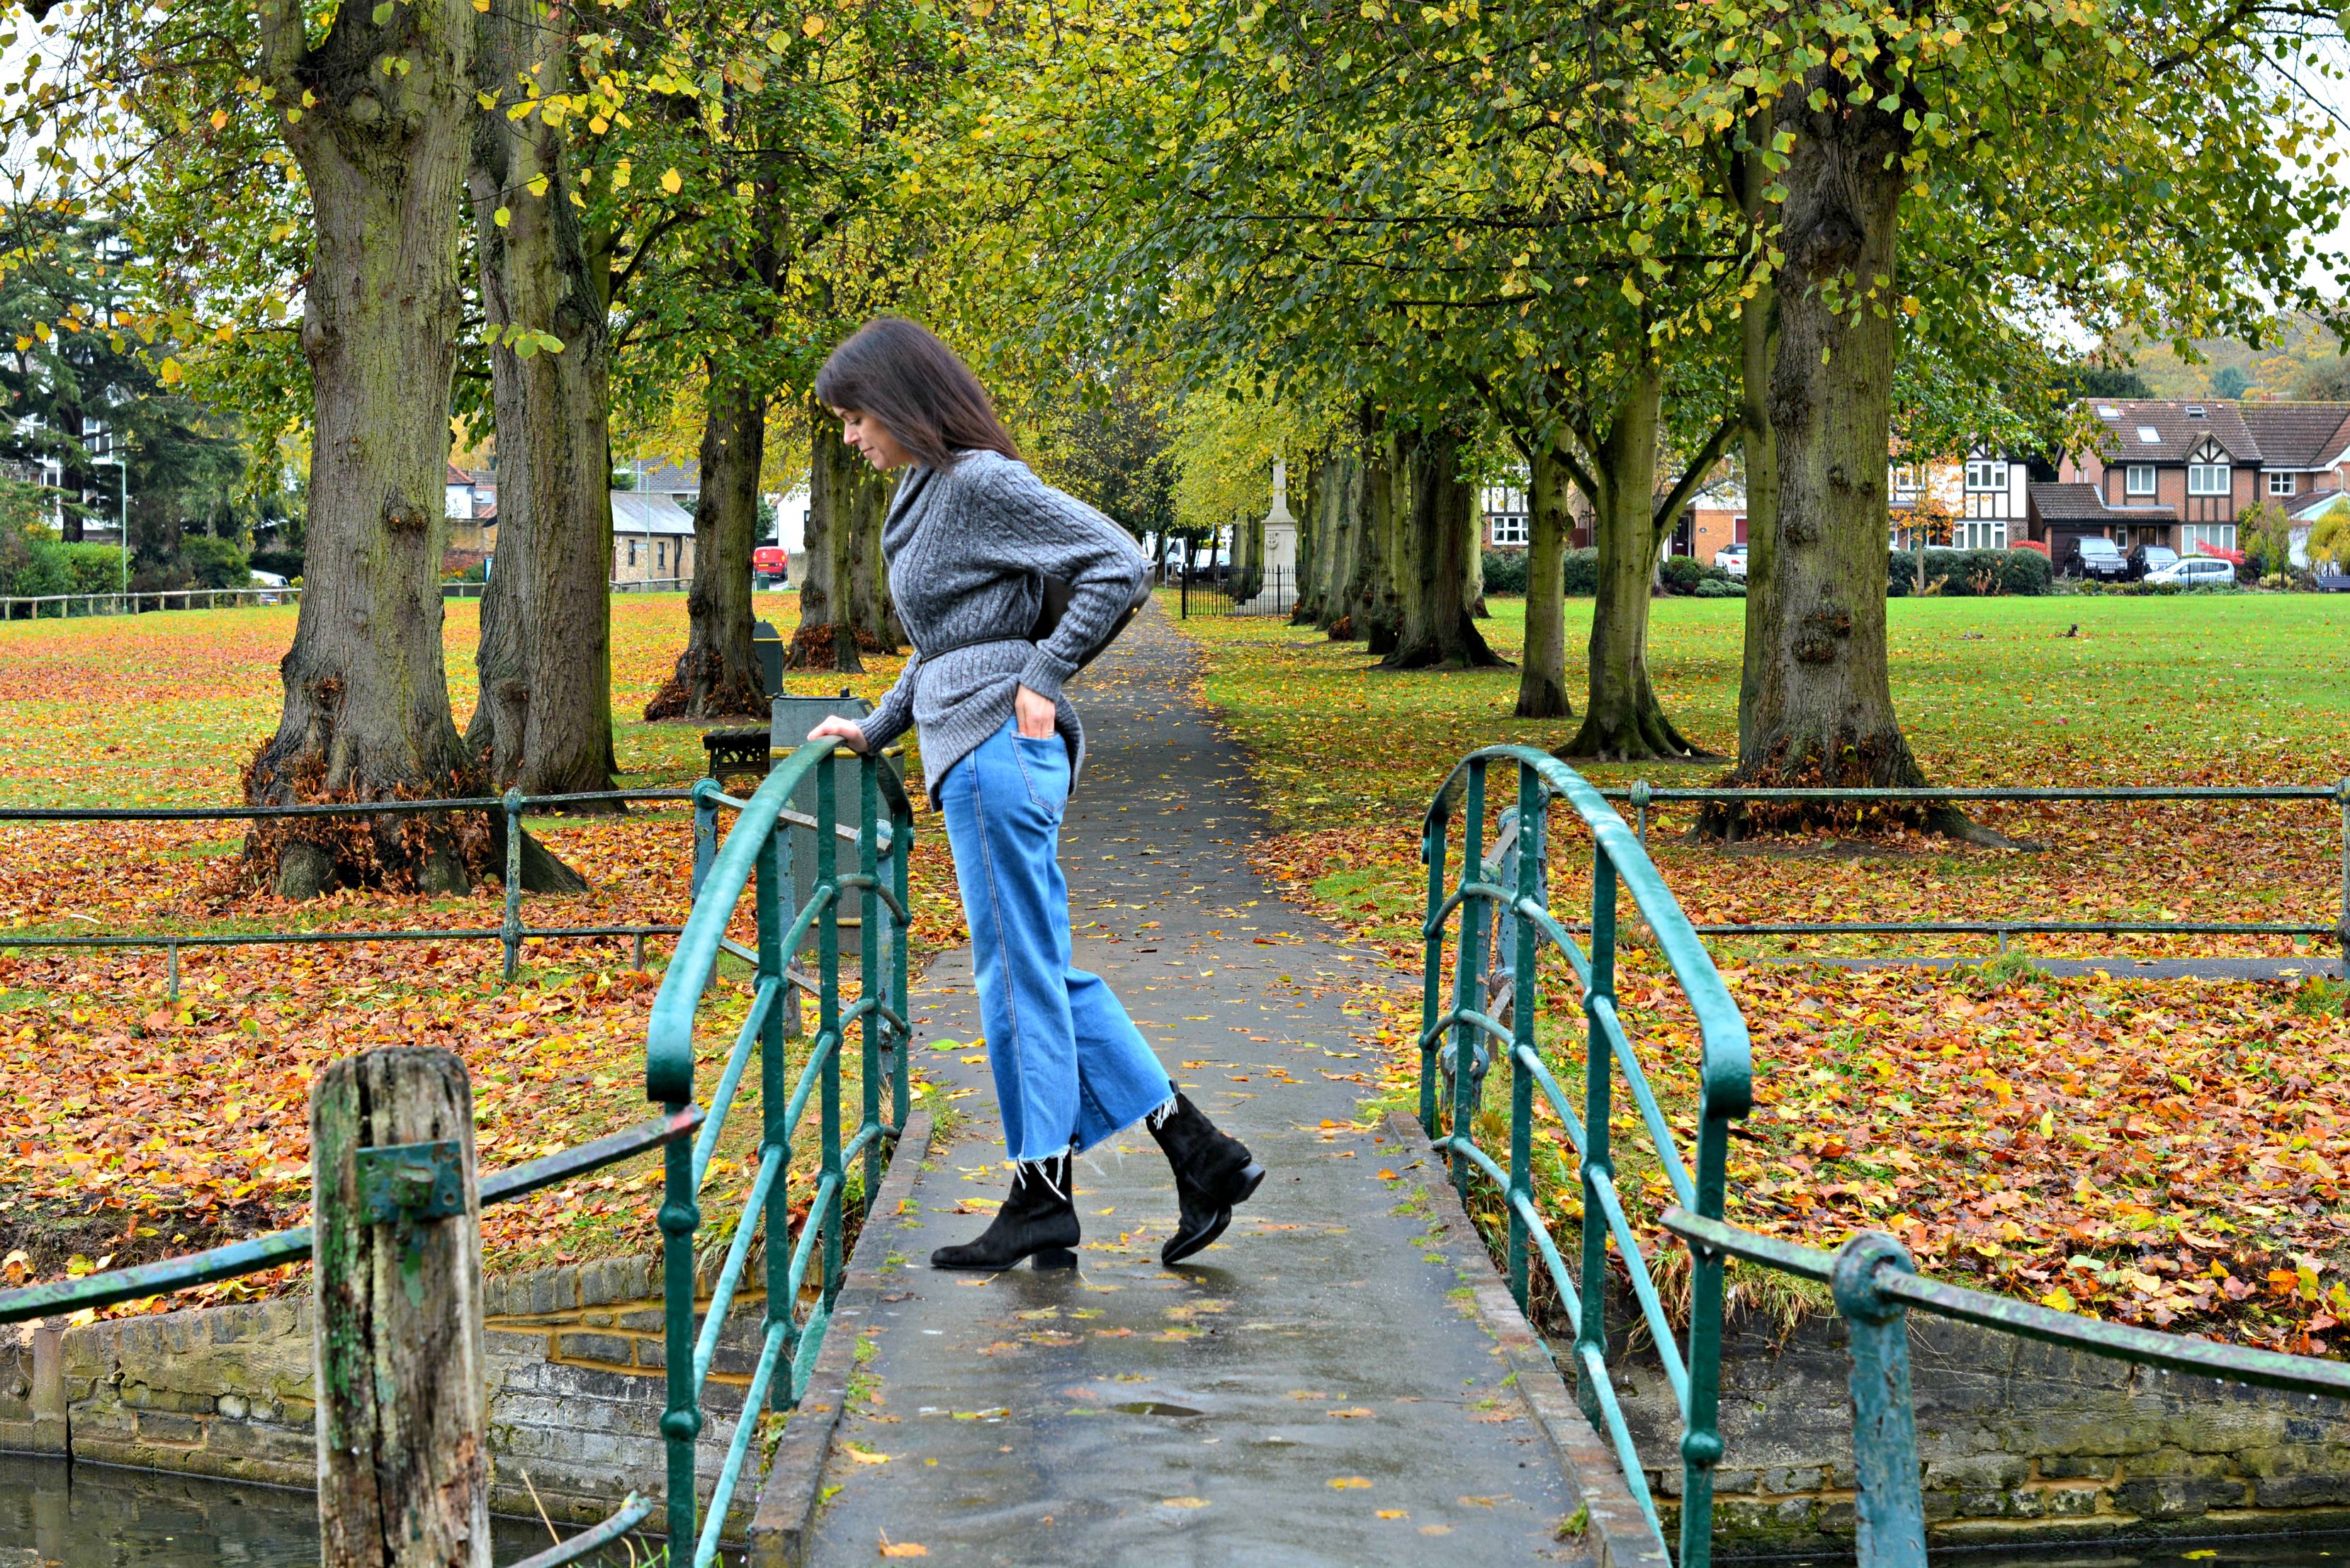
(575, 1389)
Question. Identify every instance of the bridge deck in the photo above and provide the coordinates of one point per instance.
(1320, 1391)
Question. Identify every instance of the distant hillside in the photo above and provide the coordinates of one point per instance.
(2301, 360)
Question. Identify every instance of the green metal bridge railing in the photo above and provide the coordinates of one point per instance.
(511, 932)
(756, 858)
(756, 855)
(1502, 898)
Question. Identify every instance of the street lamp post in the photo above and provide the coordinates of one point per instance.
(124, 469)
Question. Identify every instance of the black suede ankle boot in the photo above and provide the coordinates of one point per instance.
(1214, 1173)
(1039, 1221)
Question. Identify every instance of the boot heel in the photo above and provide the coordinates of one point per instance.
(1244, 1185)
(1053, 1258)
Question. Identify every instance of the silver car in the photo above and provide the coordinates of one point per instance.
(2191, 570)
(1730, 558)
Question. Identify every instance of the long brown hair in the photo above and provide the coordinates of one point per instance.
(898, 372)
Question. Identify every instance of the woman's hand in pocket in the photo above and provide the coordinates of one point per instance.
(1033, 714)
(845, 730)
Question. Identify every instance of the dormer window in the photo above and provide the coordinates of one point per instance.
(2207, 479)
(2149, 436)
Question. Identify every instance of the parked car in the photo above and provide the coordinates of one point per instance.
(2094, 555)
(2147, 558)
(272, 581)
(2194, 570)
(771, 567)
(1730, 558)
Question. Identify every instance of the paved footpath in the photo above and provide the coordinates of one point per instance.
(1316, 1391)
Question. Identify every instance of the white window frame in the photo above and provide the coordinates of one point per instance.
(2280, 484)
(1986, 474)
(2147, 435)
(1509, 528)
(2192, 537)
(2210, 478)
(2130, 478)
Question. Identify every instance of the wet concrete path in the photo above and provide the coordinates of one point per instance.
(1317, 1390)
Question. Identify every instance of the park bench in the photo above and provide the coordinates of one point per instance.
(737, 751)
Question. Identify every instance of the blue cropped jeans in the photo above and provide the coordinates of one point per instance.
(1070, 1067)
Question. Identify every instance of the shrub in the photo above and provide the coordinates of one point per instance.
(1582, 572)
(1506, 571)
(1681, 574)
(217, 563)
(1721, 587)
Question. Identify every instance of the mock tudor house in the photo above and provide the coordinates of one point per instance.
(2181, 473)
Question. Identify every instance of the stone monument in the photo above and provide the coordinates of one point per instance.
(1277, 594)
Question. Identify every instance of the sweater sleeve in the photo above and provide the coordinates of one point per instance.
(890, 718)
(1060, 537)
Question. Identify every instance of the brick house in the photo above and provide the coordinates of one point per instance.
(2180, 473)
(1977, 503)
(1507, 517)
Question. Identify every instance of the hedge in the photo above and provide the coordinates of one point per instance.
(2024, 572)
(52, 566)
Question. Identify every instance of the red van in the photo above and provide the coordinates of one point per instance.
(771, 567)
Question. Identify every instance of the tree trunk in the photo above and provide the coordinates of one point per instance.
(1304, 579)
(871, 611)
(718, 674)
(1622, 721)
(1472, 580)
(366, 712)
(1817, 707)
(1379, 608)
(1541, 676)
(827, 638)
(1758, 351)
(545, 720)
(1337, 528)
(396, 1326)
(1436, 526)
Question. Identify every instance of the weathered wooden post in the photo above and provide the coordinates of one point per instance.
(404, 1445)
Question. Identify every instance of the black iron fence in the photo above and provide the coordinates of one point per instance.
(1223, 590)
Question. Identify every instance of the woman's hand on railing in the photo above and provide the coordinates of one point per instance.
(845, 730)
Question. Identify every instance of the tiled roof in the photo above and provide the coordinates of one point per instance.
(2086, 503)
(639, 512)
(458, 475)
(2177, 433)
(2297, 435)
(2309, 505)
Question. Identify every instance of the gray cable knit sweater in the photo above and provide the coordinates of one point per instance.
(968, 549)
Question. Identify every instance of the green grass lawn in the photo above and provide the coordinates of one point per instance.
(2249, 687)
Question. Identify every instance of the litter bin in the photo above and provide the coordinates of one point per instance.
(793, 717)
(768, 644)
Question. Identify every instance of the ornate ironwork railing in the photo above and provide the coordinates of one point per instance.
(755, 858)
(1502, 898)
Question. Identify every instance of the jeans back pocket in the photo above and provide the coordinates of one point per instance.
(1045, 765)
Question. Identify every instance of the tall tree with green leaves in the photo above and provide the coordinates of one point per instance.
(1958, 168)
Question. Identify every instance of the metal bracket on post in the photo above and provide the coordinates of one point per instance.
(1639, 797)
(411, 1181)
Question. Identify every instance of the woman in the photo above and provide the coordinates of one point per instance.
(970, 539)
